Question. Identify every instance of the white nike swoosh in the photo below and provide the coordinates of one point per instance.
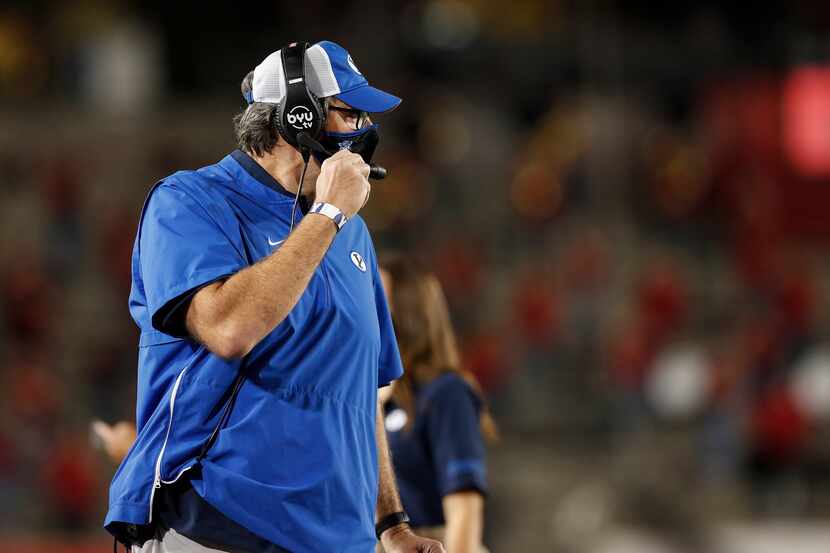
(277, 243)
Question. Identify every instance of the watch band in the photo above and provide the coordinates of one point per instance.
(390, 520)
(331, 212)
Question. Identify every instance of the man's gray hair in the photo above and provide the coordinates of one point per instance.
(254, 127)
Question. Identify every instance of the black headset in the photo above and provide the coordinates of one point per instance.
(300, 111)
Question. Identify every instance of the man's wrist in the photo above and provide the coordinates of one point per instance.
(396, 533)
(321, 225)
(395, 522)
(331, 211)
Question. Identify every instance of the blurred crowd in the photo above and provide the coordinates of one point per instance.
(628, 211)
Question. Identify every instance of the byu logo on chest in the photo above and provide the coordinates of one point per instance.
(358, 262)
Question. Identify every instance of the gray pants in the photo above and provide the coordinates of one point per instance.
(173, 542)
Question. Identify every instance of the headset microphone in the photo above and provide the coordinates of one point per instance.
(376, 172)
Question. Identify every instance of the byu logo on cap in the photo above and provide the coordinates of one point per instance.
(300, 117)
(350, 61)
(357, 259)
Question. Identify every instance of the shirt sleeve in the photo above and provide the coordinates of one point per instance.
(389, 362)
(182, 249)
(454, 435)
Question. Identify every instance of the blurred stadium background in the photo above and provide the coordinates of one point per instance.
(627, 203)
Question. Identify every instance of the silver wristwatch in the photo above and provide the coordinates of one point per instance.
(331, 212)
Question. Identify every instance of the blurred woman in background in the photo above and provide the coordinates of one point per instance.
(436, 416)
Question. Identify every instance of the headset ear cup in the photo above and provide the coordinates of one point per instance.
(300, 110)
(320, 116)
(276, 121)
(290, 135)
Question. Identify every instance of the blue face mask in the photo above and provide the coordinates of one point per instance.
(362, 141)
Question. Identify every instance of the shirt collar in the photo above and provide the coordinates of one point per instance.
(258, 172)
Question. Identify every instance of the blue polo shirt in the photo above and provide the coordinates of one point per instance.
(296, 462)
(441, 452)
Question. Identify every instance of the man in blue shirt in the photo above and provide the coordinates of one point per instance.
(264, 337)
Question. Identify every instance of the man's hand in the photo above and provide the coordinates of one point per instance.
(116, 440)
(343, 182)
(400, 539)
